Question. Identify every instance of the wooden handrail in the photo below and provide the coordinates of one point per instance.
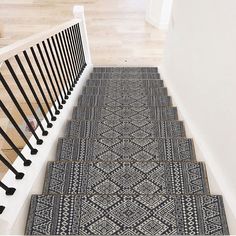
(21, 45)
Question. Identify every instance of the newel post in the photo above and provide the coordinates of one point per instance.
(78, 12)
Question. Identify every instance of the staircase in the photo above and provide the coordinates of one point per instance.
(125, 166)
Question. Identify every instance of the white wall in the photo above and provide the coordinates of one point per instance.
(200, 70)
(158, 13)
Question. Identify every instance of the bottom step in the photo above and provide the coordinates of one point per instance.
(126, 215)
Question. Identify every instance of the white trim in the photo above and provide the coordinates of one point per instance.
(78, 12)
(19, 46)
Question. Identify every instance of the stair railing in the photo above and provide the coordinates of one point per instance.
(43, 70)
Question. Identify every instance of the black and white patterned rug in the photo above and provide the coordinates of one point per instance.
(126, 215)
(125, 113)
(160, 149)
(130, 84)
(114, 100)
(125, 166)
(126, 178)
(124, 129)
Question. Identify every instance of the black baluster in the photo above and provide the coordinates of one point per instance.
(18, 175)
(68, 71)
(57, 112)
(72, 74)
(3, 107)
(49, 125)
(57, 69)
(60, 65)
(39, 141)
(54, 75)
(72, 54)
(15, 148)
(76, 53)
(82, 47)
(2, 209)
(63, 63)
(8, 191)
(25, 96)
(78, 45)
(53, 118)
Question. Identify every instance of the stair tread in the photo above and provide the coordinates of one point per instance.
(124, 83)
(120, 100)
(125, 129)
(124, 113)
(159, 149)
(124, 92)
(113, 177)
(125, 76)
(126, 215)
(127, 68)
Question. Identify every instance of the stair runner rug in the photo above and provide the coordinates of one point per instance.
(131, 84)
(125, 113)
(124, 91)
(126, 215)
(126, 178)
(160, 149)
(115, 100)
(124, 129)
(125, 166)
(125, 76)
(126, 69)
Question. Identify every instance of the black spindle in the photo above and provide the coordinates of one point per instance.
(57, 69)
(8, 191)
(76, 53)
(72, 72)
(39, 141)
(63, 65)
(53, 118)
(82, 48)
(57, 48)
(65, 53)
(15, 148)
(79, 48)
(18, 175)
(5, 110)
(49, 125)
(72, 55)
(54, 74)
(57, 112)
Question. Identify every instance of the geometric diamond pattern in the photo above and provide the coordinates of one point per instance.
(124, 129)
(161, 149)
(128, 214)
(125, 178)
(125, 166)
(125, 113)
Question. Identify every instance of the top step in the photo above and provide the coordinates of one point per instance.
(126, 69)
(125, 76)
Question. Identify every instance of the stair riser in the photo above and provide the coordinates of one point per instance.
(126, 178)
(124, 114)
(126, 215)
(118, 129)
(113, 101)
(178, 149)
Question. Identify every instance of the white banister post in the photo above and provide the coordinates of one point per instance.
(78, 12)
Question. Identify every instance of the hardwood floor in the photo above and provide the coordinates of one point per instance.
(117, 32)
